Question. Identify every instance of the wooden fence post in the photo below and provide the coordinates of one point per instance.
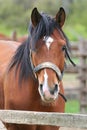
(83, 75)
(14, 35)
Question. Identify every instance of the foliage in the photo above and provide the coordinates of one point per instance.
(76, 24)
(15, 14)
(12, 15)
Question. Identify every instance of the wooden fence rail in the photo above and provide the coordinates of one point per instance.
(44, 118)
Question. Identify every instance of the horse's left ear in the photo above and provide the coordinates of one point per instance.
(35, 17)
(60, 17)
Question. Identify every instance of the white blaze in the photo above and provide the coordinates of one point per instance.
(48, 41)
(45, 84)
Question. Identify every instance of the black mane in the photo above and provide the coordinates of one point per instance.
(21, 57)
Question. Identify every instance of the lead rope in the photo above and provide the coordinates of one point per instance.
(66, 51)
(63, 97)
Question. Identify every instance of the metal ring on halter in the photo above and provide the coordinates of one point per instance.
(48, 65)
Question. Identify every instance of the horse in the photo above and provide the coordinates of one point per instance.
(22, 38)
(32, 80)
(4, 37)
(7, 48)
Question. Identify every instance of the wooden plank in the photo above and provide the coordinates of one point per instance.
(40, 118)
(72, 93)
(71, 69)
(74, 47)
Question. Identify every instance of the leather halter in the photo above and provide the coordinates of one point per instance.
(51, 66)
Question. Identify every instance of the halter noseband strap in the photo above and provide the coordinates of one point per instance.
(48, 65)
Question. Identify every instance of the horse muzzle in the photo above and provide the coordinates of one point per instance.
(48, 95)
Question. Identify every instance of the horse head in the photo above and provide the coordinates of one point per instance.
(46, 54)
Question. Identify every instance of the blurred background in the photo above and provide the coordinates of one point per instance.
(15, 17)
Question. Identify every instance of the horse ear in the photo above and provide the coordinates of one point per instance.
(35, 17)
(60, 17)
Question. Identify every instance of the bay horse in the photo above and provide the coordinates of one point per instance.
(4, 37)
(7, 49)
(33, 78)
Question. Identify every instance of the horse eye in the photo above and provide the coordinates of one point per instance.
(63, 48)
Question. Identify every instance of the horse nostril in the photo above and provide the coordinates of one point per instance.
(56, 87)
(54, 90)
(41, 85)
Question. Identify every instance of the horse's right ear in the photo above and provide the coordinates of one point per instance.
(35, 17)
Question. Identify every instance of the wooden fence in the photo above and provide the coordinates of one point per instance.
(44, 118)
(79, 50)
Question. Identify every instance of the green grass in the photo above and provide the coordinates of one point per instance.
(72, 106)
(70, 81)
